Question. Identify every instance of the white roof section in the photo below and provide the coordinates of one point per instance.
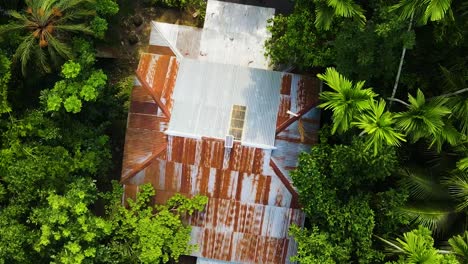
(205, 95)
(232, 34)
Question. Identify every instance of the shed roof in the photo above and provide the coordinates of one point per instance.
(232, 34)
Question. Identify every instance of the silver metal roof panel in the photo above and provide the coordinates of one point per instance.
(205, 93)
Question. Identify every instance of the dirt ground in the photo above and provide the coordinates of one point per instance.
(119, 56)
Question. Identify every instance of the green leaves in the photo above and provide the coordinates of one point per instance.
(72, 104)
(433, 10)
(346, 102)
(69, 231)
(458, 188)
(49, 26)
(459, 246)
(316, 247)
(354, 106)
(153, 234)
(5, 76)
(71, 70)
(333, 183)
(378, 124)
(326, 10)
(417, 246)
(76, 87)
(423, 118)
(293, 40)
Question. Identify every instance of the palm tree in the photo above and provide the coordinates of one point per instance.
(346, 101)
(459, 246)
(433, 10)
(416, 246)
(379, 125)
(455, 82)
(438, 203)
(47, 23)
(458, 188)
(424, 118)
(326, 10)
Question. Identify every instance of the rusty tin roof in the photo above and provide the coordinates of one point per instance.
(252, 201)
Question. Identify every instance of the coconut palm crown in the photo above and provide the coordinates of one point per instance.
(45, 25)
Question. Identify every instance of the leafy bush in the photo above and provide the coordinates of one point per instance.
(193, 6)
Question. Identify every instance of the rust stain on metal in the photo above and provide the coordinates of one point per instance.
(162, 50)
(158, 73)
(170, 83)
(251, 203)
(306, 97)
(286, 84)
(307, 92)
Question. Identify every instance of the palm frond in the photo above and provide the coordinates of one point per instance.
(378, 124)
(458, 188)
(74, 28)
(393, 247)
(436, 220)
(423, 118)
(418, 248)
(459, 107)
(23, 52)
(448, 133)
(61, 48)
(323, 16)
(66, 5)
(406, 8)
(41, 58)
(452, 81)
(18, 16)
(74, 15)
(347, 8)
(433, 10)
(437, 9)
(463, 164)
(421, 185)
(459, 246)
(11, 27)
(346, 101)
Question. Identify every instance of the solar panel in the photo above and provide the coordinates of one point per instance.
(236, 127)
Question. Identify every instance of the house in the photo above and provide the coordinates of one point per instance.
(209, 117)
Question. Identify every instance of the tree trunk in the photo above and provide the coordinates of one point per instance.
(402, 59)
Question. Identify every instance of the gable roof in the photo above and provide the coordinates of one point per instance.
(252, 201)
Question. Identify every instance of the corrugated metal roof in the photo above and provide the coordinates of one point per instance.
(205, 93)
(289, 143)
(252, 202)
(236, 18)
(232, 34)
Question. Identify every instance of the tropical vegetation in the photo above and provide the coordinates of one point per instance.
(387, 183)
(62, 120)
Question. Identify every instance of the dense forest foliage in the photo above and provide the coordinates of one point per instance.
(389, 180)
(62, 120)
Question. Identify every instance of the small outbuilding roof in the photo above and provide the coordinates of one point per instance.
(232, 34)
